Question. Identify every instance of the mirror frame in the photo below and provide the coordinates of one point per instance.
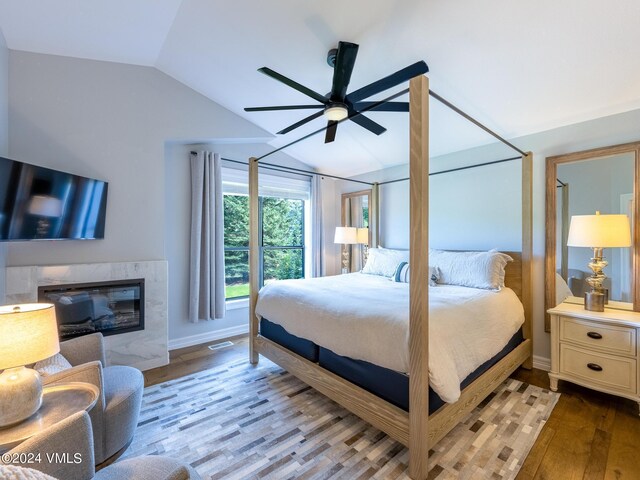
(551, 220)
(361, 193)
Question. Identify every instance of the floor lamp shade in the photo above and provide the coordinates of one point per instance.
(28, 334)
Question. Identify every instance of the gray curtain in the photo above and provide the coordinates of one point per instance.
(206, 276)
(317, 233)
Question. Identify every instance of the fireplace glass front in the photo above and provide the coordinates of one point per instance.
(107, 307)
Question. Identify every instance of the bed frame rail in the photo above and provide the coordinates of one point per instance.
(381, 414)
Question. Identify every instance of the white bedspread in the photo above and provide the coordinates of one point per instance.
(365, 317)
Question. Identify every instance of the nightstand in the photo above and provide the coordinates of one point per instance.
(598, 350)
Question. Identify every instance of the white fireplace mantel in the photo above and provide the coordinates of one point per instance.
(142, 349)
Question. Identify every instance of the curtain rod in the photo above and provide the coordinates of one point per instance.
(285, 169)
(455, 169)
(473, 120)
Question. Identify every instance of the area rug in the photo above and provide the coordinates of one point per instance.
(244, 422)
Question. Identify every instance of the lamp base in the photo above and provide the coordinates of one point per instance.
(594, 301)
(20, 395)
(605, 292)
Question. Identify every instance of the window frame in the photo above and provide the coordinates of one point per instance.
(262, 247)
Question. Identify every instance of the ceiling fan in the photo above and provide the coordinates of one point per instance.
(337, 104)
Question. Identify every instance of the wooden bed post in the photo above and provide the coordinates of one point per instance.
(374, 215)
(419, 278)
(254, 259)
(527, 248)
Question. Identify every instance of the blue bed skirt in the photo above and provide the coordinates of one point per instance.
(387, 384)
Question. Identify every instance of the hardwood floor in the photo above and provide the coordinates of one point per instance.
(590, 435)
(197, 358)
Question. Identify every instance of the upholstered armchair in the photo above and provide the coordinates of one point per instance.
(66, 450)
(115, 415)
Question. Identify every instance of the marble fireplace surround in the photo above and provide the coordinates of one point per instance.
(143, 349)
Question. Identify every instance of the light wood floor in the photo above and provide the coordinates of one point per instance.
(590, 435)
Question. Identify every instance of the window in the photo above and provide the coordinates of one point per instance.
(283, 212)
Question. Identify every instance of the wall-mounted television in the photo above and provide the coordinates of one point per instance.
(38, 203)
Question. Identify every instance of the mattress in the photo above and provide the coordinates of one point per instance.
(387, 384)
(365, 317)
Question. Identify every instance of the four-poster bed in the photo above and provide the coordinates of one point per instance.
(416, 428)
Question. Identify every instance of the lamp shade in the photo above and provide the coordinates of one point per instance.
(28, 334)
(599, 231)
(346, 235)
(45, 206)
(363, 236)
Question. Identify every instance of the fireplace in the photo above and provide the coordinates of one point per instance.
(110, 307)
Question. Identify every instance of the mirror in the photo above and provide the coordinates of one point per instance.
(582, 183)
(355, 213)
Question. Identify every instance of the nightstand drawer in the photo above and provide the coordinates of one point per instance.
(613, 339)
(616, 373)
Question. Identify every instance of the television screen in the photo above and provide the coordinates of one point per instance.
(38, 203)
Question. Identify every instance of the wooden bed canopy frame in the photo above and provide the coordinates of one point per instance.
(416, 429)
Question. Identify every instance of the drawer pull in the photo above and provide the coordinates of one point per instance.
(594, 335)
(594, 366)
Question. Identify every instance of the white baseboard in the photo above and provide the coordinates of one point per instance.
(191, 340)
(542, 363)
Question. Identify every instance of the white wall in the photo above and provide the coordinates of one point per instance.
(177, 227)
(109, 121)
(4, 139)
(480, 208)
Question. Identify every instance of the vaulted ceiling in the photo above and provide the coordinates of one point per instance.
(519, 67)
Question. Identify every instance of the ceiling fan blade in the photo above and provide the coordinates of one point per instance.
(281, 107)
(368, 124)
(301, 122)
(330, 135)
(287, 81)
(401, 76)
(345, 60)
(383, 107)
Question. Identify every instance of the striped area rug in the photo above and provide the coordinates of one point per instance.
(242, 422)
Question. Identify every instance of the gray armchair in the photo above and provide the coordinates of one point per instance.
(115, 416)
(66, 453)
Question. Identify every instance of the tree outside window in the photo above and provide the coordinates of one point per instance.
(281, 241)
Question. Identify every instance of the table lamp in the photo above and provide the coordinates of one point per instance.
(45, 207)
(28, 334)
(346, 236)
(363, 239)
(598, 232)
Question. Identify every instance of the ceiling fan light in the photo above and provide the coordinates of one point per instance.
(336, 113)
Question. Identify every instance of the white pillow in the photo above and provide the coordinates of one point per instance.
(52, 365)
(562, 289)
(470, 269)
(402, 274)
(383, 261)
(17, 472)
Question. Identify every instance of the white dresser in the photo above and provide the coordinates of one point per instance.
(598, 350)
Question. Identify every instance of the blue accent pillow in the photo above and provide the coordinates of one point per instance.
(402, 274)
